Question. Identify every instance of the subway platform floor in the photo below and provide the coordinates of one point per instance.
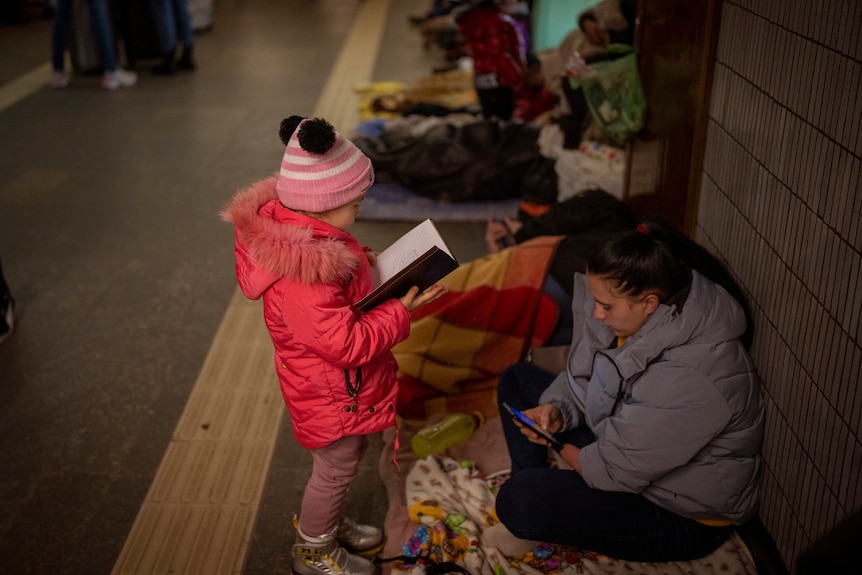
(141, 430)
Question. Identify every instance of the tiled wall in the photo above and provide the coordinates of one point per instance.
(780, 203)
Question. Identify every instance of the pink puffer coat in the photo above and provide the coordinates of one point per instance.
(335, 367)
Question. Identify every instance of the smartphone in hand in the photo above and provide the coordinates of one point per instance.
(534, 427)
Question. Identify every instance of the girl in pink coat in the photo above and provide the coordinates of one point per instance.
(335, 367)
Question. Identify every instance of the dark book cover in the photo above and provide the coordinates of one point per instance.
(424, 271)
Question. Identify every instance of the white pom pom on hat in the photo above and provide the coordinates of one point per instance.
(321, 169)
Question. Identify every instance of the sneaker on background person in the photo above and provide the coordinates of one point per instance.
(119, 78)
(102, 39)
(7, 308)
(59, 79)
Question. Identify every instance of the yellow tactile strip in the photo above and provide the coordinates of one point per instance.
(339, 103)
(18, 89)
(200, 510)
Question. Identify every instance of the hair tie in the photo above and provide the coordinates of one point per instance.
(643, 229)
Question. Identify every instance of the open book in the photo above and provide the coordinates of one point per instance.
(418, 258)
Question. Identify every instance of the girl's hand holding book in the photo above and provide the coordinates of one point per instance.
(413, 299)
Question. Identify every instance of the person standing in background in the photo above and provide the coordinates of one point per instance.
(172, 20)
(114, 77)
(498, 56)
(7, 308)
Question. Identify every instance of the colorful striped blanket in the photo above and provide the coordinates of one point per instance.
(459, 345)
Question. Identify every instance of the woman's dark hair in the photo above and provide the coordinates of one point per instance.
(587, 16)
(656, 257)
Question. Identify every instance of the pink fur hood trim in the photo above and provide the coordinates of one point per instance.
(273, 242)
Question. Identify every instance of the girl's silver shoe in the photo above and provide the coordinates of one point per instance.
(359, 539)
(324, 556)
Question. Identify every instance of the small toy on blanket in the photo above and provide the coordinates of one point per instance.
(454, 505)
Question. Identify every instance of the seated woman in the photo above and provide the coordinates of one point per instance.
(659, 409)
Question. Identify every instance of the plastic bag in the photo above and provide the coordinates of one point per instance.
(614, 94)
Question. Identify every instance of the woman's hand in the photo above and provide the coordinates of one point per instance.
(501, 234)
(550, 417)
(576, 67)
(413, 299)
(570, 454)
(546, 416)
(372, 258)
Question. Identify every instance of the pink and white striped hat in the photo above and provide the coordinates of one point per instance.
(321, 170)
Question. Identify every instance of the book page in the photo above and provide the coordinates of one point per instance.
(405, 250)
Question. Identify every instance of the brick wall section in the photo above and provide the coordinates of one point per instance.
(780, 204)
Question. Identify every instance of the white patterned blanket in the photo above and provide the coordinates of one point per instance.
(442, 508)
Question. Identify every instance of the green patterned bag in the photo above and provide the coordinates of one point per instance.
(614, 94)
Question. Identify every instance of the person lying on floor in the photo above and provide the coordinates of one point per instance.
(587, 220)
(659, 409)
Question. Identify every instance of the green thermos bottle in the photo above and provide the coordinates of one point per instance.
(454, 429)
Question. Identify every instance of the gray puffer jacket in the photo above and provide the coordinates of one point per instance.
(676, 410)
